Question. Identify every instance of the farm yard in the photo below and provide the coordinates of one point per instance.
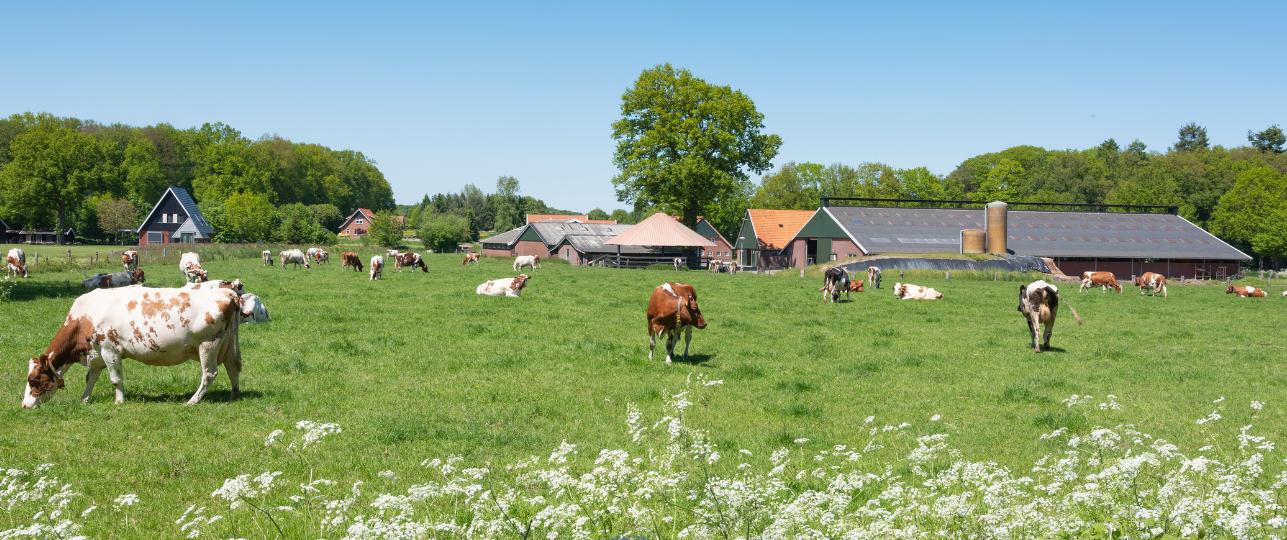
(417, 366)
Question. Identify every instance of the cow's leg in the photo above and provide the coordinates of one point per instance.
(1082, 287)
(1164, 290)
(672, 337)
(91, 377)
(688, 338)
(652, 340)
(209, 352)
(233, 365)
(112, 361)
(1033, 329)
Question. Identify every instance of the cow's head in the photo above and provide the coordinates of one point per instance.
(42, 382)
(695, 312)
(137, 276)
(1230, 291)
(899, 290)
(253, 310)
(519, 282)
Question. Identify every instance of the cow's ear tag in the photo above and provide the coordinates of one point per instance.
(61, 385)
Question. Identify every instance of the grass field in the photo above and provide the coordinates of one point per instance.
(417, 366)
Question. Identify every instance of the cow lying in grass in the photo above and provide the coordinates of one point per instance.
(907, 291)
(158, 327)
(1152, 282)
(834, 282)
(673, 310)
(512, 287)
(1247, 292)
(1039, 304)
(855, 286)
(1105, 280)
(114, 280)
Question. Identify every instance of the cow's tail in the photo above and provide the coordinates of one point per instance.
(1074, 310)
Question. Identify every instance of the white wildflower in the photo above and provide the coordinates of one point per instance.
(126, 500)
(1257, 405)
(935, 418)
(272, 437)
(389, 475)
(801, 441)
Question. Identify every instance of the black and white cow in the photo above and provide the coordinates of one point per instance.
(1039, 304)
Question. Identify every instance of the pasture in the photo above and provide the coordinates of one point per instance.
(418, 366)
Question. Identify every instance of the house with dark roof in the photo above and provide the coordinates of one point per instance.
(175, 219)
(356, 224)
(1127, 243)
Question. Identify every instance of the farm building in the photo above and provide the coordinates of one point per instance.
(356, 224)
(30, 235)
(533, 218)
(765, 236)
(723, 251)
(543, 238)
(1127, 243)
(175, 219)
(8, 235)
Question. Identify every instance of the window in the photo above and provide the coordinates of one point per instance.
(358, 221)
(164, 217)
(154, 237)
(174, 218)
(186, 238)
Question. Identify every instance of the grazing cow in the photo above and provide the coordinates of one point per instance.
(130, 260)
(873, 277)
(1153, 282)
(470, 258)
(410, 259)
(907, 291)
(268, 258)
(1104, 279)
(323, 256)
(531, 261)
(17, 263)
(391, 253)
(312, 253)
(1039, 304)
(111, 281)
(190, 264)
(679, 262)
(715, 267)
(349, 259)
(295, 257)
(1246, 292)
(673, 310)
(504, 287)
(834, 282)
(252, 308)
(158, 327)
(855, 286)
(377, 265)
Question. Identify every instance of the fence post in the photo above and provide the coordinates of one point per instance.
(801, 272)
(948, 277)
(900, 273)
(995, 275)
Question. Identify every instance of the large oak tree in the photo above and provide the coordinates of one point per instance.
(684, 144)
(52, 170)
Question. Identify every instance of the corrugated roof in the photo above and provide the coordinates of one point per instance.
(775, 228)
(1036, 233)
(586, 243)
(552, 232)
(532, 218)
(507, 238)
(660, 230)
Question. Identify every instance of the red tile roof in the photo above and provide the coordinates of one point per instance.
(775, 228)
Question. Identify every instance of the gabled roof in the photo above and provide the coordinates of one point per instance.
(190, 226)
(507, 238)
(189, 207)
(592, 243)
(774, 229)
(552, 232)
(533, 218)
(1037, 233)
(702, 219)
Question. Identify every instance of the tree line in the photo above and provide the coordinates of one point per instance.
(99, 178)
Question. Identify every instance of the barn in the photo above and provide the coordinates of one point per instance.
(546, 238)
(175, 219)
(723, 250)
(1127, 240)
(765, 237)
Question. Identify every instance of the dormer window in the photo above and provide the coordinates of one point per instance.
(174, 218)
(163, 218)
(358, 221)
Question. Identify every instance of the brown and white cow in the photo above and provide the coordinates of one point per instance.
(112, 281)
(295, 257)
(312, 253)
(873, 277)
(190, 264)
(410, 259)
(1152, 282)
(1105, 280)
(158, 327)
(512, 287)
(268, 258)
(531, 261)
(1039, 304)
(349, 259)
(855, 286)
(673, 310)
(907, 291)
(130, 260)
(391, 253)
(1246, 292)
(323, 256)
(377, 266)
(470, 258)
(17, 263)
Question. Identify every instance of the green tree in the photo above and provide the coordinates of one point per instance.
(250, 217)
(597, 213)
(792, 187)
(1271, 240)
(385, 230)
(1002, 182)
(621, 215)
(474, 232)
(1257, 195)
(1192, 137)
(327, 216)
(443, 232)
(1269, 140)
(144, 180)
(116, 214)
(508, 213)
(682, 142)
(52, 170)
(298, 225)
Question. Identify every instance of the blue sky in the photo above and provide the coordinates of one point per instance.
(444, 95)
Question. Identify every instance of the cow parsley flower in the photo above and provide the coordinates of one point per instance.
(801, 441)
(272, 437)
(1257, 405)
(1218, 400)
(388, 475)
(315, 431)
(935, 418)
(126, 500)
